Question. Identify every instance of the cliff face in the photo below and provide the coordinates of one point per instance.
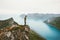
(10, 30)
(55, 21)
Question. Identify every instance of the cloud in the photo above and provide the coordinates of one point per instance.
(30, 6)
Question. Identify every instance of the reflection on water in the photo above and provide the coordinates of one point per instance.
(45, 30)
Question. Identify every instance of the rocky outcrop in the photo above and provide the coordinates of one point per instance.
(14, 34)
(10, 30)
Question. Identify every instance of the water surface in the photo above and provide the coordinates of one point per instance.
(45, 30)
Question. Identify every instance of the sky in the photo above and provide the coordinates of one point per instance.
(14, 8)
(29, 6)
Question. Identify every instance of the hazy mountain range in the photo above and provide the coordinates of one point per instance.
(37, 16)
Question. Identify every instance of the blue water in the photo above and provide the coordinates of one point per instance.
(45, 30)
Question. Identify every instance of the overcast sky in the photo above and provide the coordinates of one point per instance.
(13, 8)
(29, 6)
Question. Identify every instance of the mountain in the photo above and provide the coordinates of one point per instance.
(37, 16)
(54, 21)
(10, 30)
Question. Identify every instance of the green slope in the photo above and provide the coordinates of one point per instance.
(35, 36)
(55, 21)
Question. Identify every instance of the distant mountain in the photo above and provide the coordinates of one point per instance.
(55, 21)
(37, 16)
